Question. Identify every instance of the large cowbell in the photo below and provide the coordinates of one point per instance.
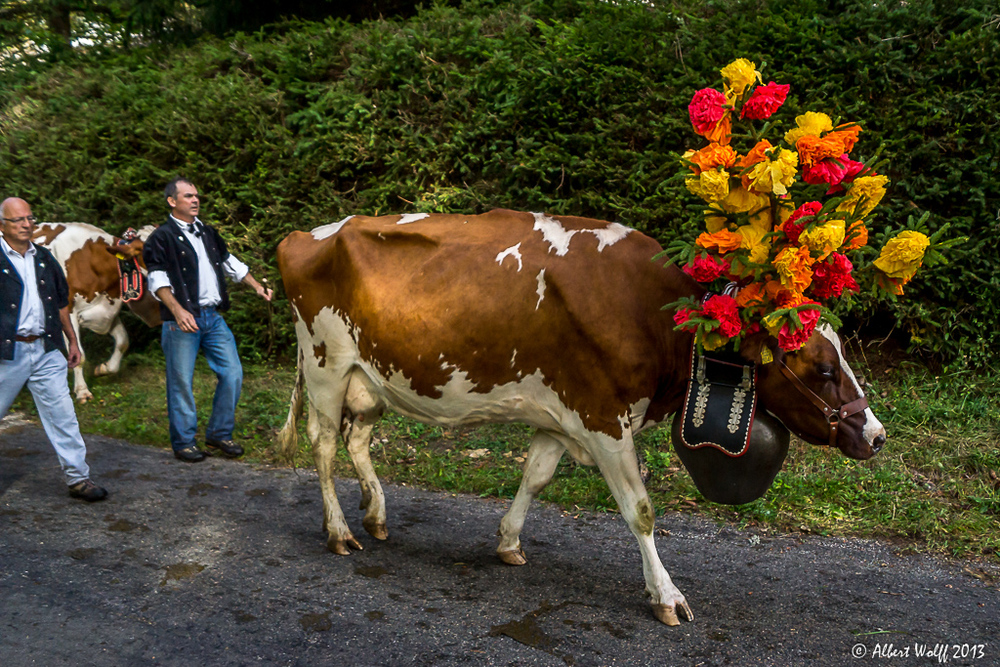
(732, 451)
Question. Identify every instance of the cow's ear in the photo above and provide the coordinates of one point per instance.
(760, 348)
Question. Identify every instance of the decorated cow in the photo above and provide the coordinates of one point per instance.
(553, 321)
(92, 260)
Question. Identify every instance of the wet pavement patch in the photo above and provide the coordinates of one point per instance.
(373, 572)
(81, 554)
(316, 622)
(179, 571)
(200, 489)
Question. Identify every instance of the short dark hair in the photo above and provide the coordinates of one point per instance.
(170, 192)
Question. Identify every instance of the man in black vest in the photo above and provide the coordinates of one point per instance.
(34, 316)
(188, 263)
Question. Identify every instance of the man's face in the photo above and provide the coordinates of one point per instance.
(184, 206)
(18, 224)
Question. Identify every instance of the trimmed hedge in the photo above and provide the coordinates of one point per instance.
(574, 107)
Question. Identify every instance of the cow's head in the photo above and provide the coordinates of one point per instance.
(815, 393)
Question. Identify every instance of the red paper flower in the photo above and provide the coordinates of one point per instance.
(706, 110)
(793, 340)
(791, 227)
(833, 277)
(707, 269)
(683, 315)
(764, 101)
(851, 170)
(724, 309)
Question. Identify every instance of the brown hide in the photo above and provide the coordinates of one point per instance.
(433, 289)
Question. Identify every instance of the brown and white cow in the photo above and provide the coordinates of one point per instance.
(548, 320)
(87, 256)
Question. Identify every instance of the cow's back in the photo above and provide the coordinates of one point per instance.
(494, 298)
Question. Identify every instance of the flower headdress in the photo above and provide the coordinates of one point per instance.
(786, 224)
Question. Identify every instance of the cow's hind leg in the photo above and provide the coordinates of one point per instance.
(621, 471)
(362, 409)
(543, 457)
(112, 365)
(323, 432)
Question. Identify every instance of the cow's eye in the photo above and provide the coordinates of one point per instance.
(825, 370)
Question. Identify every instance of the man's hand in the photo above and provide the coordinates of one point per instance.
(73, 359)
(262, 292)
(185, 320)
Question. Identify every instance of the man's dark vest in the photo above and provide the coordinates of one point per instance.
(167, 249)
(52, 289)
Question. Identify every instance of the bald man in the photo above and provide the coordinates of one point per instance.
(34, 317)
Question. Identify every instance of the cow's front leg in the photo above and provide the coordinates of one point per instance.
(543, 457)
(621, 471)
(323, 432)
(80, 388)
(112, 365)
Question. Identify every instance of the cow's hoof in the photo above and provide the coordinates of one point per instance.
(665, 613)
(513, 557)
(83, 398)
(101, 370)
(376, 529)
(343, 547)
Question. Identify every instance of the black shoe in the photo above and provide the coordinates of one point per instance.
(87, 490)
(227, 448)
(191, 454)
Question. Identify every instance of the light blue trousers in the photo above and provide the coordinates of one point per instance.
(45, 375)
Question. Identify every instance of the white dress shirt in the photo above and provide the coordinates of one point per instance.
(208, 283)
(31, 321)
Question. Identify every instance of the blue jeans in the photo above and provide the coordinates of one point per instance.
(181, 349)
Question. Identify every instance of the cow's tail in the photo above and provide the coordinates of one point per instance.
(287, 442)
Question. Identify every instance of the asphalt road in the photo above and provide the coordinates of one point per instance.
(224, 563)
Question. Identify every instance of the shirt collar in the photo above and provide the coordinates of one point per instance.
(188, 226)
(13, 253)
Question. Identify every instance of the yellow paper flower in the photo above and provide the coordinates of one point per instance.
(775, 174)
(903, 255)
(870, 188)
(709, 185)
(794, 266)
(753, 240)
(810, 123)
(738, 75)
(824, 239)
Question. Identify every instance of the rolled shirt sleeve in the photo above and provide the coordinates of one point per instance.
(235, 269)
(158, 279)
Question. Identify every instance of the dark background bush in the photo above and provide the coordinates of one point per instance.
(570, 106)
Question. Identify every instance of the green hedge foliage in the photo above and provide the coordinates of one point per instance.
(573, 106)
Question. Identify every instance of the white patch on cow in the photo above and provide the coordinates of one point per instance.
(873, 427)
(610, 235)
(558, 237)
(513, 251)
(541, 288)
(329, 230)
(554, 233)
(411, 217)
(637, 411)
